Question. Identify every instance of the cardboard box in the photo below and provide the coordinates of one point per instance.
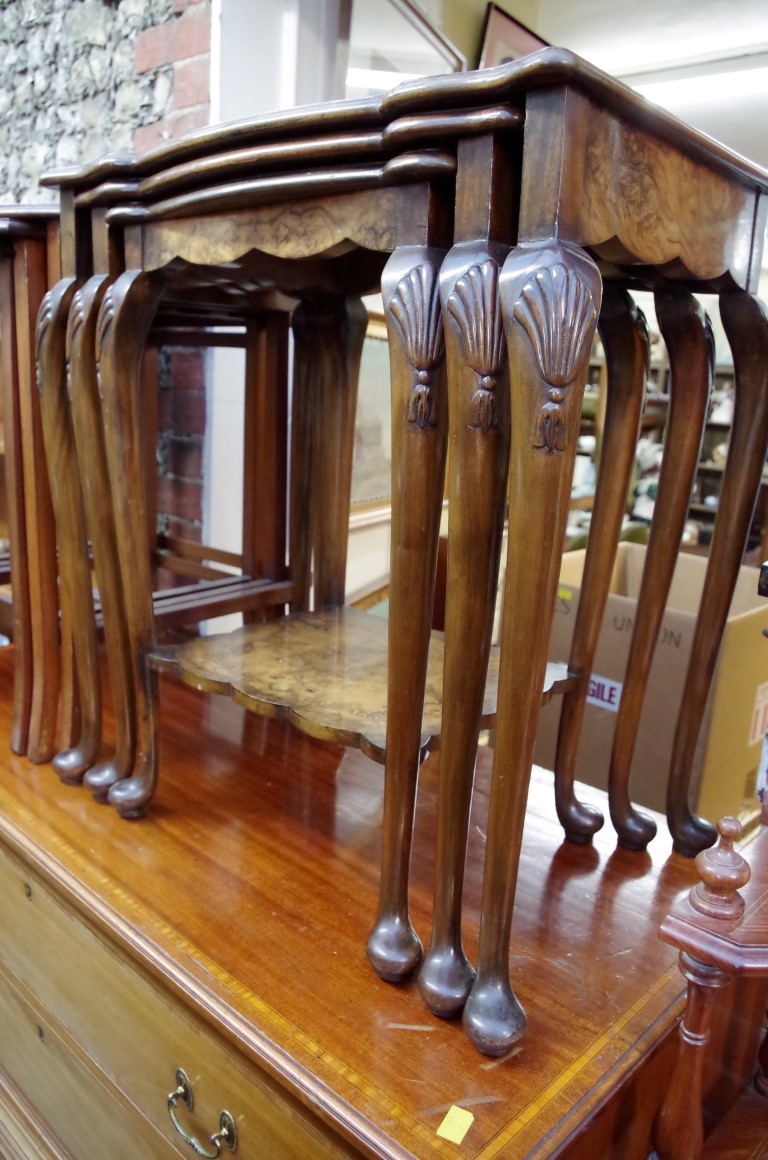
(725, 768)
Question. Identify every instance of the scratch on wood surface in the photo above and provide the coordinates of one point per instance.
(502, 1058)
(409, 1027)
(469, 1102)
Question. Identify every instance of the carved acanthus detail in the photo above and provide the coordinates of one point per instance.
(557, 311)
(474, 303)
(44, 320)
(76, 317)
(103, 324)
(75, 320)
(416, 313)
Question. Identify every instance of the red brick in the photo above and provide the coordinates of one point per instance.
(186, 366)
(191, 82)
(155, 46)
(148, 136)
(191, 33)
(182, 412)
(186, 121)
(189, 529)
(185, 457)
(182, 498)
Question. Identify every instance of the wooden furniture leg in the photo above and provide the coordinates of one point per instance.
(23, 667)
(89, 437)
(479, 442)
(299, 534)
(333, 417)
(123, 323)
(29, 287)
(30, 278)
(624, 332)
(265, 464)
(687, 333)
(419, 428)
(74, 568)
(760, 1080)
(678, 1130)
(550, 296)
(328, 345)
(746, 326)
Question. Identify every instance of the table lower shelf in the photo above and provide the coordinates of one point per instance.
(326, 673)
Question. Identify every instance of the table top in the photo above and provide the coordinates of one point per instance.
(508, 83)
(249, 890)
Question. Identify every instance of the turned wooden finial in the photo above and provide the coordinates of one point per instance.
(722, 871)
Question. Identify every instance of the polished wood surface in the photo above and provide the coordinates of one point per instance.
(624, 333)
(720, 929)
(27, 268)
(688, 336)
(600, 187)
(245, 895)
(326, 673)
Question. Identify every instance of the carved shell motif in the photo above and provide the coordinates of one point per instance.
(557, 311)
(415, 310)
(474, 303)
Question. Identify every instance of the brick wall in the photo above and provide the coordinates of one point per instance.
(181, 424)
(82, 78)
(178, 50)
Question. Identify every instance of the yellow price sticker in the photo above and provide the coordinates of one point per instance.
(565, 593)
(456, 1124)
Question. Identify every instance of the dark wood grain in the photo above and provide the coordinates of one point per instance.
(479, 459)
(92, 459)
(719, 928)
(256, 878)
(14, 489)
(687, 333)
(625, 340)
(547, 368)
(746, 325)
(410, 291)
(75, 580)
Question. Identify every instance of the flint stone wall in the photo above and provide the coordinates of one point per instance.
(89, 77)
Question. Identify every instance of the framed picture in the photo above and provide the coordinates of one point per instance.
(372, 460)
(506, 39)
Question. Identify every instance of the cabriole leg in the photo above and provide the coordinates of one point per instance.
(746, 325)
(624, 332)
(124, 319)
(74, 570)
(419, 426)
(688, 336)
(550, 301)
(479, 459)
(89, 436)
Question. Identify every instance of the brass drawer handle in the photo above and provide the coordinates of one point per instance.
(227, 1133)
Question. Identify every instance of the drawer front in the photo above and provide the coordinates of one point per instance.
(88, 1121)
(139, 1035)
